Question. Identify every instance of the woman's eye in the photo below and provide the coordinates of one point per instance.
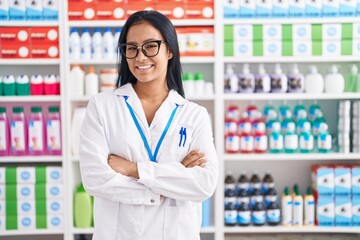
(151, 46)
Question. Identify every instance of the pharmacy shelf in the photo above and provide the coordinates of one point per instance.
(291, 157)
(120, 23)
(294, 59)
(197, 60)
(289, 96)
(28, 23)
(31, 232)
(197, 98)
(291, 20)
(29, 61)
(46, 98)
(31, 159)
(114, 61)
(292, 229)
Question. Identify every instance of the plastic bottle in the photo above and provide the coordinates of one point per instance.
(255, 196)
(279, 81)
(53, 131)
(314, 82)
(298, 207)
(244, 214)
(83, 211)
(230, 200)
(246, 140)
(276, 139)
(262, 80)
(273, 215)
(291, 140)
(300, 110)
(255, 181)
(22, 85)
(189, 84)
(242, 196)
(91, 82)
(9, 86)
(260, 137)
(286, 208)
(296, 80)
(74, 43)
(306, 139)
(316, 124)
(108, 44)
(243, 182)
(18, 132)
(231, 213)
(334, 81)
(85, 44)
(244, 124)
(314, 110)
(232, 143)
(267, 182)
(199, 83)
(77, 80)
(36, 131)
(258, 215)
(324, 140)
(231, 84)
(233, 113)
(96, 44)
(301, 120)
(36, 85)
(50, 85)
(267, 114)
(271, 122)
(309, 208)
(4, 133)
(246, 80)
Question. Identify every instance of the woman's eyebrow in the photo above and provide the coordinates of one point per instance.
(145, 41)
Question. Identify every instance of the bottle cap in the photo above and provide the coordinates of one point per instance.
(313, 69)
(229, 69)
(73, 30)
(53, 109)
(91, 70)
(278, 69)
(286, 191)
(80, 188)
(199, 76)
(333, 69)
(2, 109)
(18, 109)
(261, 69)
(36, 109)
(354, 69)
(295, 69)
(309, 191)
(246, 69)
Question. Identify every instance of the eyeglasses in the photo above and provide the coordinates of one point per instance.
(149, 49)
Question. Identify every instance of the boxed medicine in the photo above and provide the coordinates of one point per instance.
(343, 211)
(325, 211)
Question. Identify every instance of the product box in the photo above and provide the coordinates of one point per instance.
(136, 5)
(54, 174)
(356, 47)
(263, 8)
(355, 181)
(330, 8)
(302, 48)
(44, 35)
(81, 11)
(17, 10)
(342, 181)
(26, 222)
(44, 50)
(280, 8)
(172, 9)
(301, 32)
(14, 35)
(34, 9)
(231, 8)
(199, 9)
(25, 175)
(4, 14)
(182, 39)
(272, 48)
(358, 8)
(2, 207)
(241, 32)
(229, 32)
(25, 191)
(247, 8)
(313, 8)
(272, 32)
(26, 207)
(325, 211)
(2, 175)
(55, 221)
(54, 206)
(243, 48)
(343, 211)
(54, 191)
(331, 48)
(200, 41)
(356, 30)
(323, 180)
(331, 31)
(110, 11)
(2, 223)
(51, 9)
(229, 48)
(356, 211)
(296, 8)
(347, 8)
(287, 48)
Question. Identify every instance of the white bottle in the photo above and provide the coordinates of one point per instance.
(77, 81)
(231, 80)
(91, 82)
(116, 40)
(199, 84)
(108, 44)
(74, 43)
(246, 80)
(77, 119)
(85, 41)
(262, 80)
(334, 81)
(96, 44)
(314, 81)
(279, 82)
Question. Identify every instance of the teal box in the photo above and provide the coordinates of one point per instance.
(347, 9)
(356, 211)
(325, 211)
(297, 9)
(313, 8)
(343, 211)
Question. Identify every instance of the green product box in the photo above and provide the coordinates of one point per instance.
(40, 207)
(11, 208)
(346, 47)
(10, 175)
(346, 31)
(229, 48)
(286, 31)
(10, 192)
(41, 221)
(11, 222)
(316, 48)
(258, 32)
(40, 174)
(258, 48)
(229, 32)
(287, 48)
(40, 191)
(22, 89)
(316, 32)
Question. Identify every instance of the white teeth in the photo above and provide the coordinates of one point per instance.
(144, 67)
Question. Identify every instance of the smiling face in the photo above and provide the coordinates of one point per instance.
(147, 69)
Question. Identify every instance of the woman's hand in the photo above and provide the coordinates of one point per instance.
(194, 158)
(123, 166)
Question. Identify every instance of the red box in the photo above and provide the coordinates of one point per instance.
(81, 11)
(44, 50)
(135, 6)
(203, 9)
(173, 9)
(110, 11)
(15, 51)
(14, 35)
(44, 35)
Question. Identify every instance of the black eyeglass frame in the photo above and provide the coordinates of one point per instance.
(123, 52)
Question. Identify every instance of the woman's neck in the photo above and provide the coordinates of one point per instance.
(151, 92)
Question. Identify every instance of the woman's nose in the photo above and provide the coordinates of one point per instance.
(141, 56)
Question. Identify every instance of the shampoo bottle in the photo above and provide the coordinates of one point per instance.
(298, 207)
(82, 208)
(334, 81)
(262, 80)
(286, 207)
(231, 84)
(53, 131)
(18, 132)
(309, 208)
(4, 133)
(324, 140)
(36, 132)
(246, 80)
(351, 79)
(279, 81)
(306, 139)
(314, 82)
(295, 80)
(291, 139)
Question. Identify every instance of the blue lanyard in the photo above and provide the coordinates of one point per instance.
(151, 156)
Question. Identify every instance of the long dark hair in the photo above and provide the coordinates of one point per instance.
(167, 30)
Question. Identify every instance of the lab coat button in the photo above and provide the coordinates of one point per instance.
(152, 200)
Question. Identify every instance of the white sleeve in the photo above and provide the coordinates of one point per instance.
(173, 180)
(98, 177)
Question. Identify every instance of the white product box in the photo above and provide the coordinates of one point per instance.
(355, 181)
(302, 48)
(356, 47)
(356, 211)
(313, 8)
(301, 32)
(342, 181)
(347, 8)
(25, 175)
(358, 8)
(54, 174)
(34, 9)
(26, 191)
(243, 48)
(2, 191)
(55, 221)
(272, 32)
(331, 48)
(54, 206)
(2, 223)
(2, 175)
(247, 8)
(4, 11)
(331, 31)
(263, 8)
(325, 213)
(243, 32)
(297, 8)
(2, 207)
(26, 207)
(330, 8)
(231, 8)
(272, 48)
(26, 222)
(51, 9)
(54, 190)
(280, 8)
(323, 180)
(17, 10)
(356, 30)
(343, 211)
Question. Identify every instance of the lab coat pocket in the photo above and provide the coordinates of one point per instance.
(181, 140)
(181, 223)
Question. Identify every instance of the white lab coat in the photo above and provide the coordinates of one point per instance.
(165, 202)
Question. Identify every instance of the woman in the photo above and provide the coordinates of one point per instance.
(139, 144)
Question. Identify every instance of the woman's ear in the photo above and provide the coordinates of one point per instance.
(170, 55)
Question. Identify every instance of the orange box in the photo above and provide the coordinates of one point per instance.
(44, 35)
(200, 41)
(203, 9)
(134, 6)
(15, 51)
(110, 11)
(112, 1)
(81, 11)
(44, 50)
(173, 9)
(14, 35)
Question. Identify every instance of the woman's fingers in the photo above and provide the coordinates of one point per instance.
(194, 158)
